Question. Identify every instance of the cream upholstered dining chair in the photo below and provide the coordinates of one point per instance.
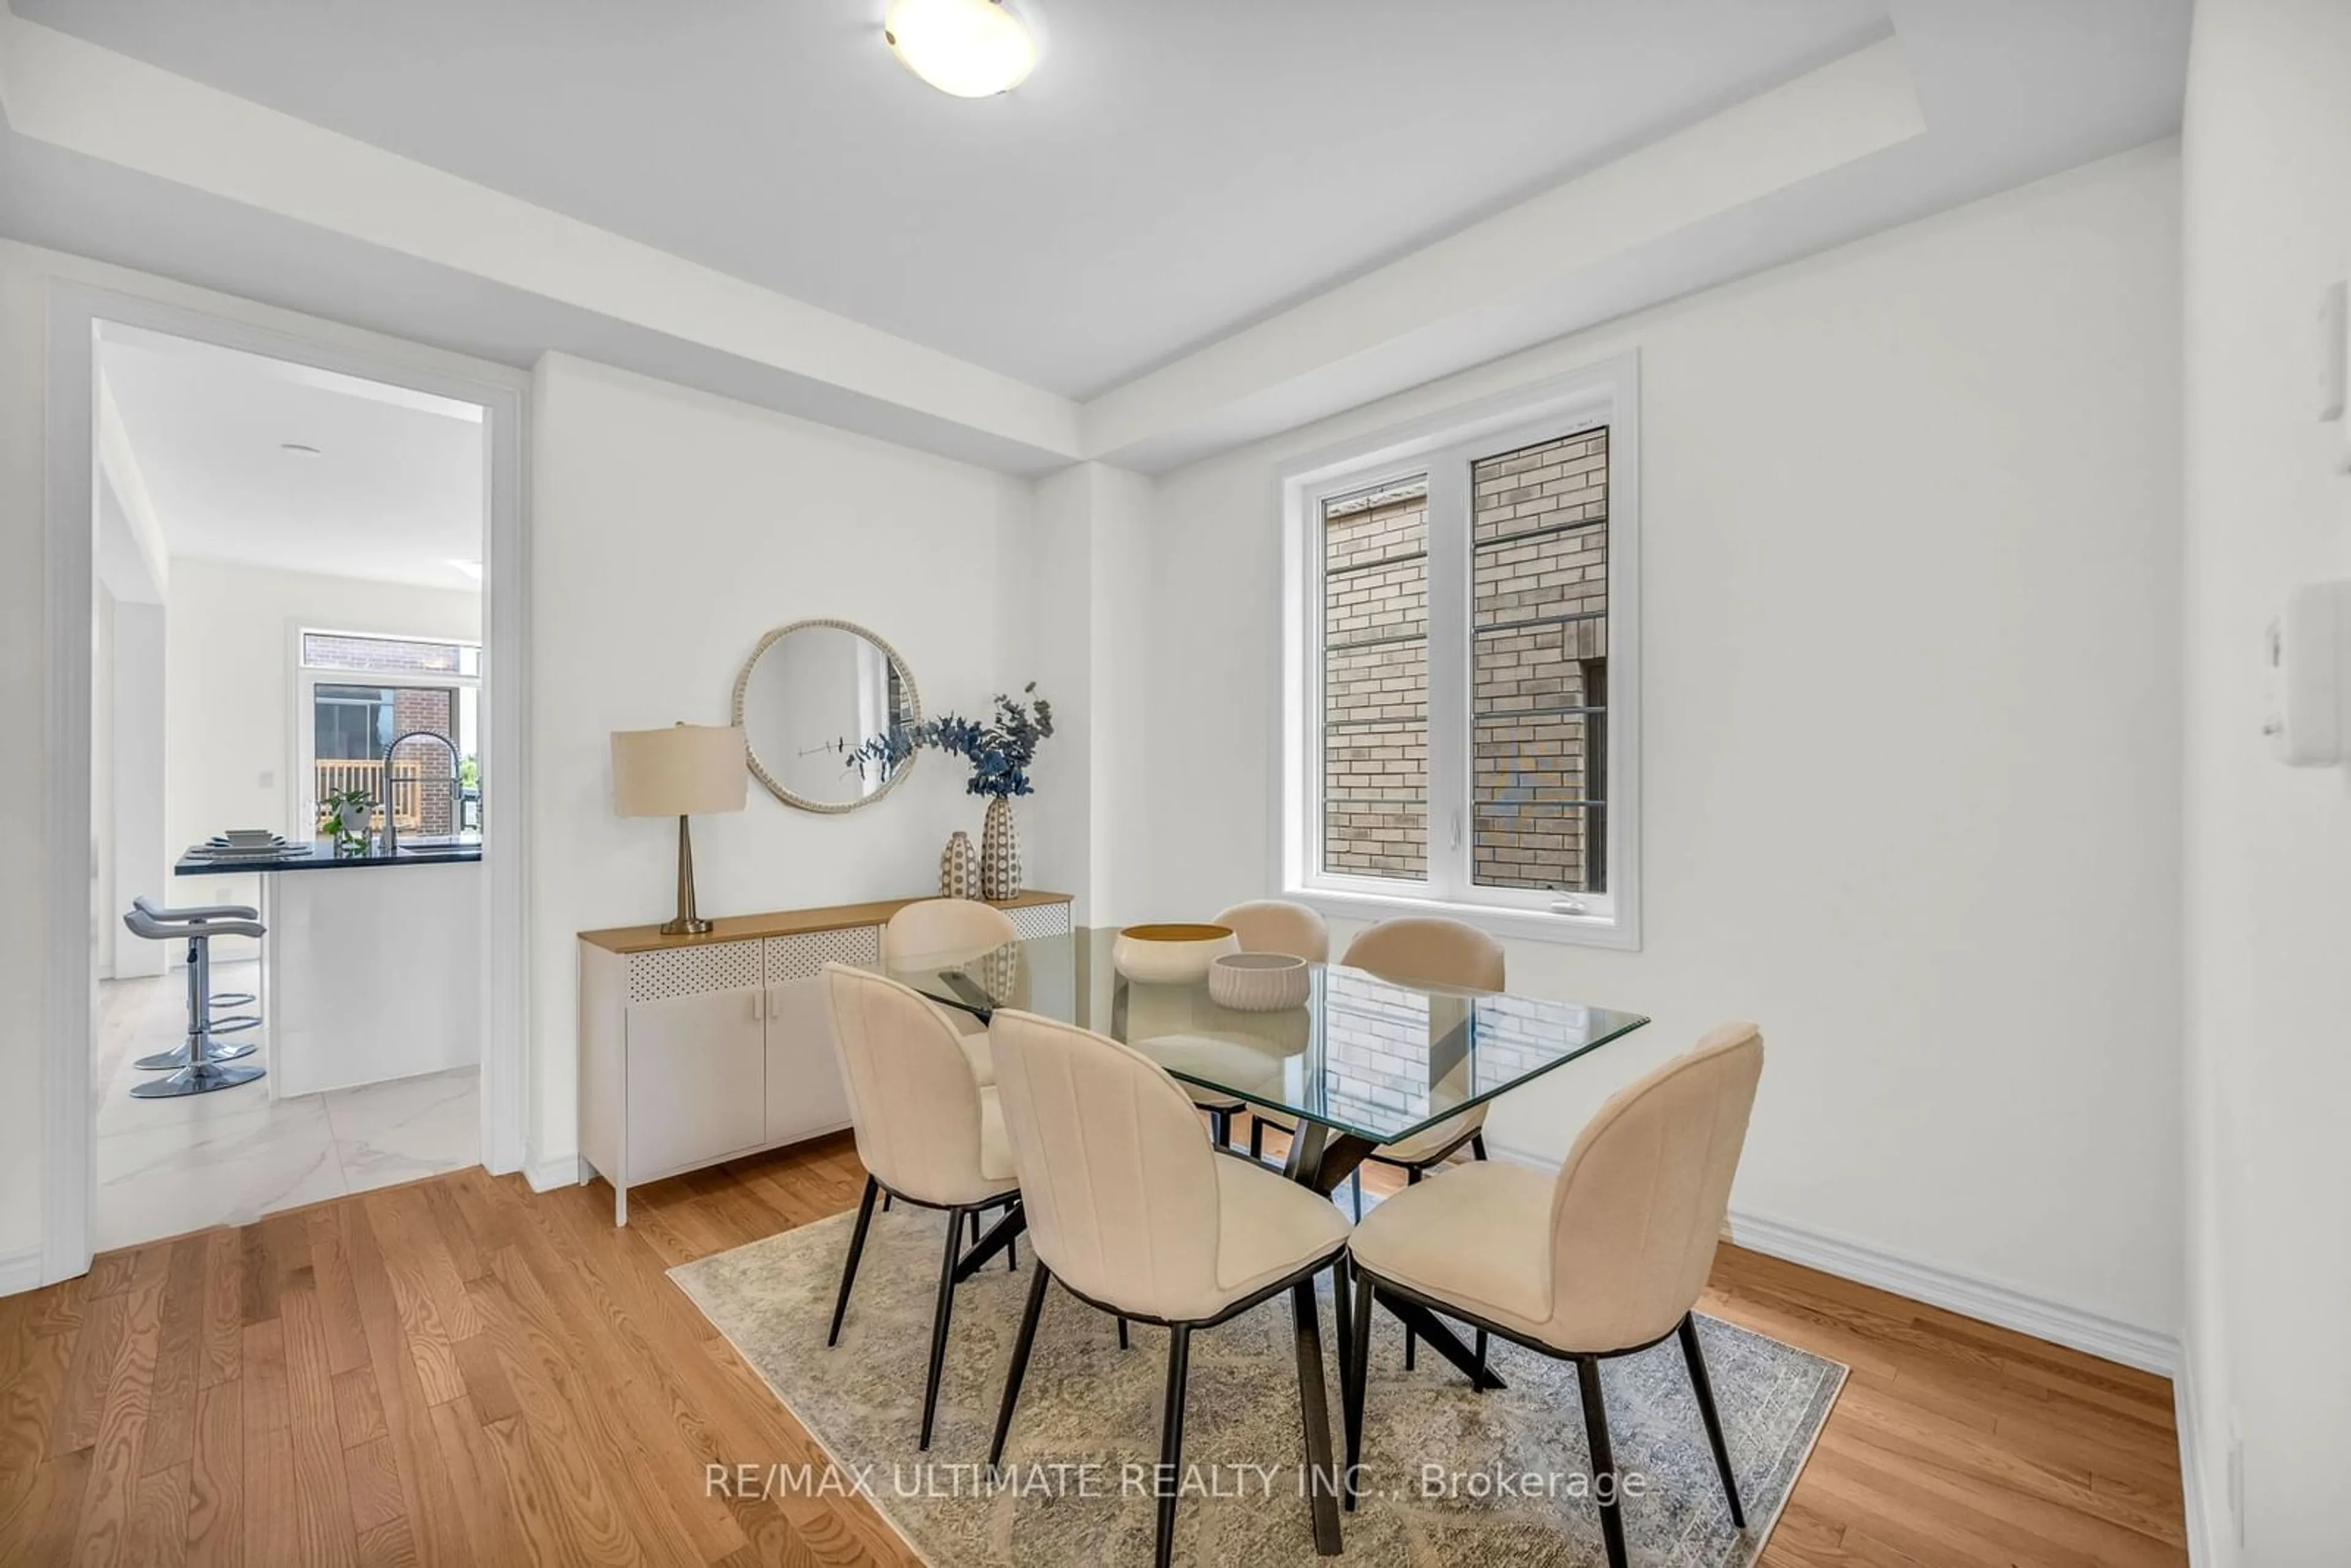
(1420, 950)
(927, 1130)
(1278, 925)
(1132, 1212)
(1604, 1260)
(940, 932)
(1426, 950)
(1262, 925)
(943, 931)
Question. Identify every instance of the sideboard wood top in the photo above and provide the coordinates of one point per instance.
(780, 923)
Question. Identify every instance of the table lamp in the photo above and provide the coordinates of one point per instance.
(681, 771)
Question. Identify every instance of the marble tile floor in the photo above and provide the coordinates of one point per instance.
(167, 1166)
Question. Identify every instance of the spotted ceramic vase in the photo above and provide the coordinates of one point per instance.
(959, 867)
(999, 853)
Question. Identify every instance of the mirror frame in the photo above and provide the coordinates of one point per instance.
(906, 675)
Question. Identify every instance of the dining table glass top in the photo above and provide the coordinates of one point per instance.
(1371, 1057)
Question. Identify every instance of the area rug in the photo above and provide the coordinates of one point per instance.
(1452, 1477)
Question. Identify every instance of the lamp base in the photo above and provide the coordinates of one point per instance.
(689, 923)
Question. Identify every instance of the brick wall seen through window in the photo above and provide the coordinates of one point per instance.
(1375, 683)
(1539, 665)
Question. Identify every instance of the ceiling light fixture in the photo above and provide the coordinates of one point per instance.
(969, 49)
(304, 447)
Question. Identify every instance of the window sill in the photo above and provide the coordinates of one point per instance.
(1527, 925)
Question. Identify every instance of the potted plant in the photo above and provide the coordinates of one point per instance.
(999, 750)
(343, 817)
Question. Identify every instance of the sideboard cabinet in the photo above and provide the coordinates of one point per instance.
(695, 1050)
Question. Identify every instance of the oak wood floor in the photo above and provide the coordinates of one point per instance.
(461, 1370)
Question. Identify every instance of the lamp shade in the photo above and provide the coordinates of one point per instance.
(685, 770)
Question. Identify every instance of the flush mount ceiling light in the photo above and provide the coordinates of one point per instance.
(970, 49)
(300, 448)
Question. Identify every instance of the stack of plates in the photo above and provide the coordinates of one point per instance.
(248, 845)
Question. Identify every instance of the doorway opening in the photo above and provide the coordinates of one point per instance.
(301, 613)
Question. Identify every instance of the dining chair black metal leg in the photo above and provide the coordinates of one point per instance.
(1039, 1278)
(1603, 1460)
(1257, 1138)
(856, 1251)
(1478, 1145)
(1220, 1126)
(1343, 1303)
(1170, 1480)
(1315, 1413)
(1355, 1181)
(975, 1228)
(1122, 1333)
(885, 1203)
(1358, 1351)
(939, 1316)
(1695, 1357)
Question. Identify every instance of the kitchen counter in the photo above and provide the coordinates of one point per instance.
(322, 855)
(366, 978)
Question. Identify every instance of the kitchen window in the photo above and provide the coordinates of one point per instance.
(355, 694)
(1460, 717)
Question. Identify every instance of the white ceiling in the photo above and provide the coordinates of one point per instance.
(395, 491)
(1200, 223)
(1173, 169)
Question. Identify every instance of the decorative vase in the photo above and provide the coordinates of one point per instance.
(999, 852)
(959, 867)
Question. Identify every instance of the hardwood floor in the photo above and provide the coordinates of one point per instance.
(462, 1371)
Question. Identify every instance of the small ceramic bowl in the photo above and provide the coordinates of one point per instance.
(1170, 955)
(1260, 982)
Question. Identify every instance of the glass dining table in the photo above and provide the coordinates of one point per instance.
(1364, 1061)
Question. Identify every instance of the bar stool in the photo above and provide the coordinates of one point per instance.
(196, 1063)
(216, 1025)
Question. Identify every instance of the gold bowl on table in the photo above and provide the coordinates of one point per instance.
(1171, 955)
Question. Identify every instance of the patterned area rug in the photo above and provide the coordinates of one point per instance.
(1452, 1477)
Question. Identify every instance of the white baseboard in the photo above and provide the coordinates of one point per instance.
(20, 1270)
(2192, 1465)
(555, 1170)
(2000, 1305)
(2074, 1327)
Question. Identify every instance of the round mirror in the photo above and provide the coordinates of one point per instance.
(818, 702)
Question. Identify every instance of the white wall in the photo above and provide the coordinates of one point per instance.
(102, 900)
(2268, 225)
(1910, 555)
(140, 853)
(25, 935)
(671, 528)
(229, 741)
(1083, 634)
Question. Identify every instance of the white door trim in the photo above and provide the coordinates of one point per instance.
(71, 459)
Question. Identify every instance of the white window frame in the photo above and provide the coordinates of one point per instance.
(1443, 446)
(309, 677)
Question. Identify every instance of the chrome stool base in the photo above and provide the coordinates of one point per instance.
(201, 1079)
(177, 1057)
(234, 998)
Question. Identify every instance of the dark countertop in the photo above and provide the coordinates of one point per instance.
(321, 856)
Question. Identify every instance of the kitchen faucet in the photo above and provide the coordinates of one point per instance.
(457, 783)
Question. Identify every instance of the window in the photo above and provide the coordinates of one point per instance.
(356, 694)
(1458, 725)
